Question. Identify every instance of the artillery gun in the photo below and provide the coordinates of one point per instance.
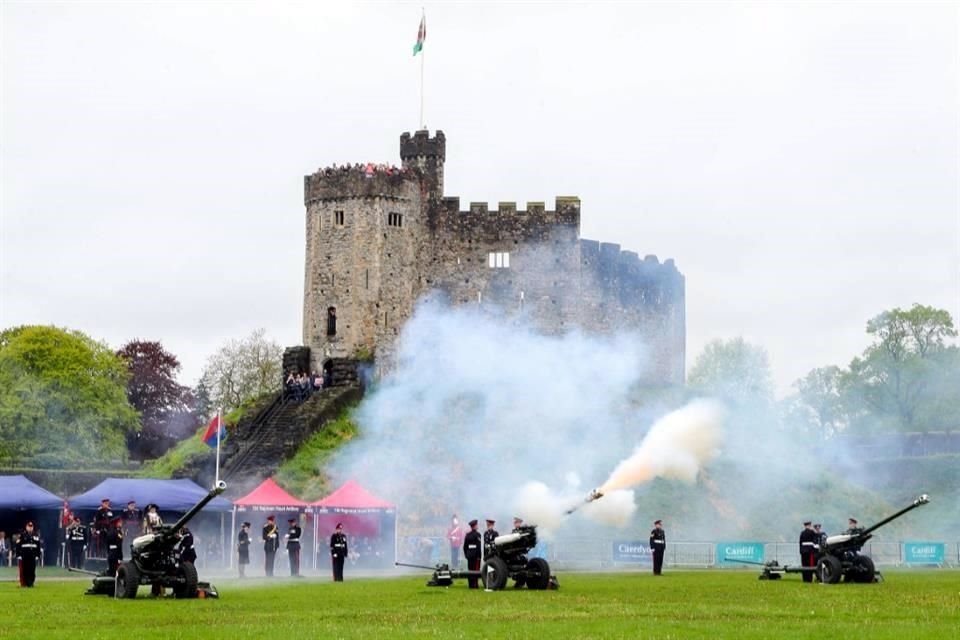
(154, 561)
(505, 559)
(839, 556)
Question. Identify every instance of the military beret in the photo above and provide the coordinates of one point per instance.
(246, 524)
(658, 522)
(472, 523)
(271, 518)
(339, 525)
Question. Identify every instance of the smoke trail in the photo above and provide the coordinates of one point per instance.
(537, 504)
(676, 447)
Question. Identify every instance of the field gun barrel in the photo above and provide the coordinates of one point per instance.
(217, 489)
(919, 502)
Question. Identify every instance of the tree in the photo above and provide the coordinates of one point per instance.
(165, 406)
(818, 406)
(899, 378)
(62, 398)
(242, 370)
(735, 371)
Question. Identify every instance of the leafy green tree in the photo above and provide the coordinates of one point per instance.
(243, 369)
(818, 406)
(899, 379)
(62, 398)
(735, 371)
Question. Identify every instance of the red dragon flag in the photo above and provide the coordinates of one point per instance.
(421, 35)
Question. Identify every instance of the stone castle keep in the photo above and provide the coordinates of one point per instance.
(377, 242)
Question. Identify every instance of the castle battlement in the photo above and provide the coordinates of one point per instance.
(566, 210)
(342, 185)
(421, 145)
(641, 282)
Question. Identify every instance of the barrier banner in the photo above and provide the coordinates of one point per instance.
(748, 552)
(632, 551)
(924, 552)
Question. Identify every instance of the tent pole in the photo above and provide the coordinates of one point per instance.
(233, 527)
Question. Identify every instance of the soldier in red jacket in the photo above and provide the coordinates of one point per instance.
(455, 536)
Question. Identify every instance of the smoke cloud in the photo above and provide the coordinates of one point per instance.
(677, 447)
(479, 407)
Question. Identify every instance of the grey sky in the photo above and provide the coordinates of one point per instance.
(798, 161)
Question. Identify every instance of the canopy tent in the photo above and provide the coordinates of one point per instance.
(363, 515)
(170, 495)
(22, 500)
(271, 499)
(17, 493)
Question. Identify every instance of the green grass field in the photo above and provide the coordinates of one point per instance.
(681, 604)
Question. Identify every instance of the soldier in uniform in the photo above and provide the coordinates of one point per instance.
(821, 535)
(131, 521)
(293, 546)
(471, 551)
(658, 546)
(187, 551)
(28, 552)
(853, 526)
(114, 542)
(271, 542)
(455, 538)
(77, 540)
(101, 526)
(489, 536)
(243, 548)
(338, 552)
(809, 541)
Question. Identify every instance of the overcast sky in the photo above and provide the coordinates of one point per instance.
(798, 161)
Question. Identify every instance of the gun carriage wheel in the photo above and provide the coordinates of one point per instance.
(495, 573)
(538, 574)
(128, 581)
(863, 569)
(829, 570)
(187, 581)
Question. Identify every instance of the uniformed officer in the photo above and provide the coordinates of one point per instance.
(471, 551)
(293, 546)
(809, 541)
(101, 525)
(489, 536)
(338, 552)
(658, 546)
(821, 534)
(271, 542)
(243, 548)
(114, 543)
(853, 526)
(131, 521)
(77, 540)
(28, 553)
(517, 523)
(187, 551)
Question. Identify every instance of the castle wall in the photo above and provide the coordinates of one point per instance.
(374, 272)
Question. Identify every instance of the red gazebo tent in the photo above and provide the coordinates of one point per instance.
(362, 514)
(268, 498)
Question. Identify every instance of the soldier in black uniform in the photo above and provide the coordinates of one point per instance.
(187, 551)
(131, 521)
(28, 551)
(101, 526)
(809, 541)
(243, 548)
(114, 543)
(338, 552)
(293, 546)
(821, 535)
(271, 542)
(489, 536)
(472, 552)
(77, 540)
(658, 546)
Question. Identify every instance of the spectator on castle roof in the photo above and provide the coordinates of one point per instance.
(316, 381)
(304, 383)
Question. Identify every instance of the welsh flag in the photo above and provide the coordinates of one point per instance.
(216, 431)
(421, 35)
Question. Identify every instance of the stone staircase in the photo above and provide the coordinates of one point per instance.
(273, 434)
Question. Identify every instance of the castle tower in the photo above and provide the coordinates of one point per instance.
(427, 154)
(361, 235)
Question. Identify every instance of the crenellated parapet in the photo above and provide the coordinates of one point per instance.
(638, 283)
(341, 185)
(421, 145)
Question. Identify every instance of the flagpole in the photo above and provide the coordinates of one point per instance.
(219, 427)
(422, 56)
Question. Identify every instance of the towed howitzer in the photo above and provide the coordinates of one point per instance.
(154, 561)
(504, 558)
(839, 555)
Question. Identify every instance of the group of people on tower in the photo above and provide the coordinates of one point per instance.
(300, 386)
(369, 169)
